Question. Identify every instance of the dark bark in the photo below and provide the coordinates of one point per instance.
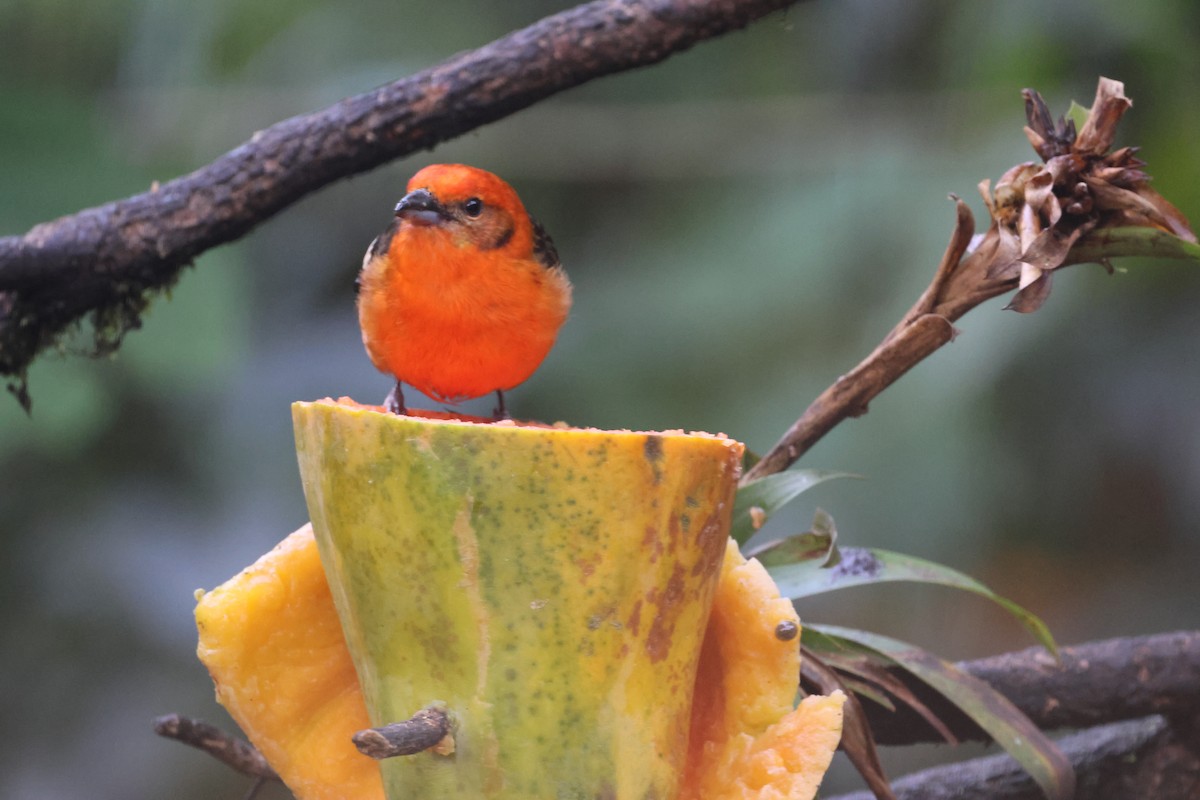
(422, 731)
(106, 259)
(1137, 701)
(229, 750)
(1145, 758)
(1098, 682)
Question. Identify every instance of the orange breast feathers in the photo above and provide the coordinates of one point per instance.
(463, 294)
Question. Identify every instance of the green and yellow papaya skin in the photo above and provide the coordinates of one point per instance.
(549, 587)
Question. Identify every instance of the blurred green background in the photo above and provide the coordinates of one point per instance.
(742, 224)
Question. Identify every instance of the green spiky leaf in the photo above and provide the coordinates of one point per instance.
(862, 565)
(1003, 721)
(819, 544)
(758, 500)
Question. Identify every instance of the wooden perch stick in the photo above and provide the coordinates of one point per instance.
(423, 731)
(108, 257)
(229, 750)
(1138, 758)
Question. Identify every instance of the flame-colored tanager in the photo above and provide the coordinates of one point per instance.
(463, 294)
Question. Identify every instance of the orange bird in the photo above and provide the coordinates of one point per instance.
(463, 294)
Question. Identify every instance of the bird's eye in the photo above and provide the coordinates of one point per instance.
(473, 207)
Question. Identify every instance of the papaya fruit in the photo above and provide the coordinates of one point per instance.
(551, 588)
(274, 647)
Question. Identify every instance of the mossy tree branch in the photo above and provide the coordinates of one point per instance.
(104, 260)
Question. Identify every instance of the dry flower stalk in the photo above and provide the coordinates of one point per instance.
(1039, 212)
(1043, 217)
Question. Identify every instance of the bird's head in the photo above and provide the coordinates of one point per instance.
(472, 205)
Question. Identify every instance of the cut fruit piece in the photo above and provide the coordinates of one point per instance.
(273, 644)
(550, 587)
(271, 639)
(746, 739)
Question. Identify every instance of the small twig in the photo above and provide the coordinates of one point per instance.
(920, 332)
(850, 394)
(255, 788)
(229, 750)
(423, 731)
(960, 240)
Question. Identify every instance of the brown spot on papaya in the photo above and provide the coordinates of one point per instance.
(653, 450)
(635, 618)
(711, 544)
(653, 447)
(658, 641)
(652, 543)
(587, 566)
(673, 533)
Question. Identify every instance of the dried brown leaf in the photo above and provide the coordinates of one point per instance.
(1098, 133)
(878, 674)
(1005, 256)
(1039, 195)
(1036, 141)
(985, 191)
(1048, 140)
(1031, 297)
(1143, 207)
(1176, 222)
(857, 740)
(1049, 250)
(1029, 274)
(1029, 227)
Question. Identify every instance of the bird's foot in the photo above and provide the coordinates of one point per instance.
(394, 402)
(500, 412)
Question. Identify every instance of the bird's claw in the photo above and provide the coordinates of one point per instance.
(500, 412)
(394, 402)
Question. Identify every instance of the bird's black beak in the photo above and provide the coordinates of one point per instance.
(421, 207)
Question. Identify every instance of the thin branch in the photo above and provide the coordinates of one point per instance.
(425, 730)
(229, 750)
(108, 257)
(1098, 682)
(1139, 758)
(923, 330)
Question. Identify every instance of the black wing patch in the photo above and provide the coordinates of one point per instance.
(384, 240)
(543, 246)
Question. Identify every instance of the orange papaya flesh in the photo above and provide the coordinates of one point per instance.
(747, 742)
(548, 586)
(273, 645)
